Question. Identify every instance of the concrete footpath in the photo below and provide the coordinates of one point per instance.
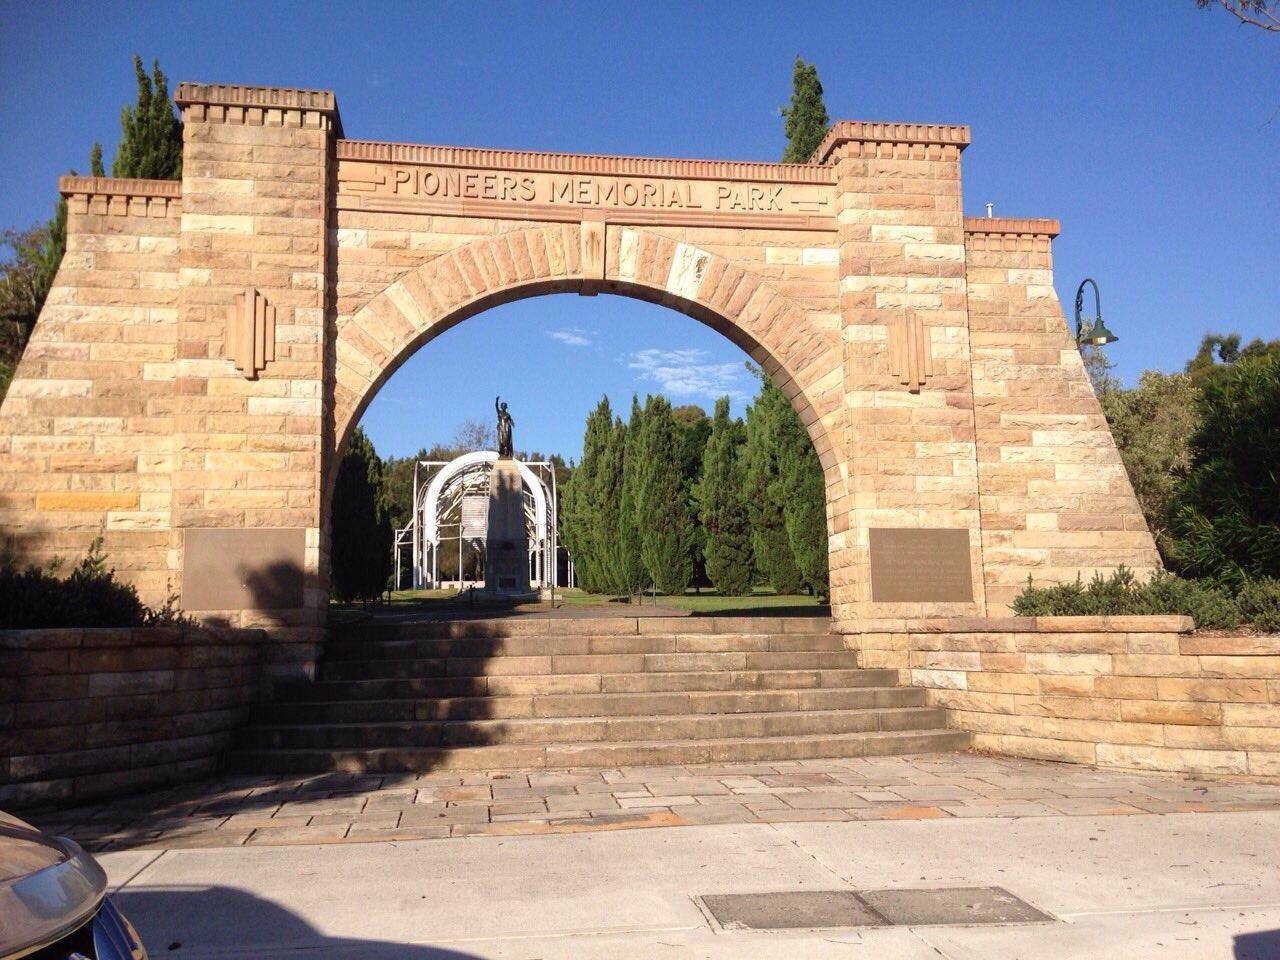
(1171, 885)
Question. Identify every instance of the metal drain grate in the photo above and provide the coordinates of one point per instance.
(954, 905)
(791, 910)
(805, 909)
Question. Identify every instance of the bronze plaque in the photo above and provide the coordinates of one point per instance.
(920, 565)
(233, 569)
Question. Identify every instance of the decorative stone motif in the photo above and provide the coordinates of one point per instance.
(251, 334)
(593, 247)
(910, 353)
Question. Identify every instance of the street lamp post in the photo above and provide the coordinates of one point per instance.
(1095, 333)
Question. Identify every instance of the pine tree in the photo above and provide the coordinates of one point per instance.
(805, 121)
(634, 575)
(763, 491)
(722, 509)
(360, 554)
(150, 133)
(666, 527)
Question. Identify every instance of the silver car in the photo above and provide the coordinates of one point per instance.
(53, 901)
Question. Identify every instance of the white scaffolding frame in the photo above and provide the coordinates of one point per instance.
(440, 489)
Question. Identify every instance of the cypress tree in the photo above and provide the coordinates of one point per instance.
(95, 161)
(360, 553)
(582, 507)
(634, 575)
(150, 133)
(662, 512)
(723, 511)
(610, 551)
(763, 490)
(693, 427)
(802, 491)
(805, 120)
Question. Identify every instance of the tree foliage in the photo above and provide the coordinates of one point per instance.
(805, 120)
(1152, 425)
(802, 491)
(693, 427)
(632, 574)
(360, 551)
(586, 503)
(150, 144)
(764, 489)
(1218, 351)
(661, 502)
(1263, 14)
(722, 509)
(1227, 523)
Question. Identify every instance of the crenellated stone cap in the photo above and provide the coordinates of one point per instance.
(121, 196)
(879, 131)
(1033, 226)
(247, 104)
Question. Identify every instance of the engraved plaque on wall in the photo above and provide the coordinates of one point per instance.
(915, 565)
(243, 569)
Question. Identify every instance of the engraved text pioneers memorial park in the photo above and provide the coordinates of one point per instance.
(209, 344)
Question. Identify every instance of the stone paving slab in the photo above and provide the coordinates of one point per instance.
(330, 808)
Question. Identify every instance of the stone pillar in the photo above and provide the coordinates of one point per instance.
(506, 561)
(257, 173)
(908, 389)
(1056, 501)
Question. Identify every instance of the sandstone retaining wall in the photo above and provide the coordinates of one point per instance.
(1133, 692)
(103, 712)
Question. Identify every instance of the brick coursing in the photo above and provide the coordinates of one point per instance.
(102, 712)
(1133, 692)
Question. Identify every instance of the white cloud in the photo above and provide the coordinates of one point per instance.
(571, 336)
(690, 373)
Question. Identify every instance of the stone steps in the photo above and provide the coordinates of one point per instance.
(479, 647)
(517, 685)
(474, 695)
(586, 729)
(568, 755)
(588, 704)
(610, 663)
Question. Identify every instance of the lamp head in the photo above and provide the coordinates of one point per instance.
(1099, 335)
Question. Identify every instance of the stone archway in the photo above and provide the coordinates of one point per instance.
(207, 343)
(805, 363)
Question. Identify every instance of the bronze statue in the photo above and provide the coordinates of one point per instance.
(505, 423)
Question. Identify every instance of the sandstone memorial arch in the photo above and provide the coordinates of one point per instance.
(208, 344)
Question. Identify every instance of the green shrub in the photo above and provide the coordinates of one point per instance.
(89, 596)
(1208, 605)
(1260, 604)
(1123, 594)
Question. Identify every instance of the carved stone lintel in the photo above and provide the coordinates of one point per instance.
(593, 254)
(251, 333)
(910, 354)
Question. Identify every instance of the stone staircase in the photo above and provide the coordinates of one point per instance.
(539, 693)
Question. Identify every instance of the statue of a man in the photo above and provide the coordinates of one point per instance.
(505, 423)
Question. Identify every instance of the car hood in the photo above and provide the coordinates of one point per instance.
(48, 887)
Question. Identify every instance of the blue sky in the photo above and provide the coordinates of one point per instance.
(1151, 130)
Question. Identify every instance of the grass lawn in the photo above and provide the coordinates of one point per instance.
(761, 601)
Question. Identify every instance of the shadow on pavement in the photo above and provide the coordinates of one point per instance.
(1263, 945)
(206, 922)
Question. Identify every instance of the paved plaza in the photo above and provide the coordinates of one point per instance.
(343, 808)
